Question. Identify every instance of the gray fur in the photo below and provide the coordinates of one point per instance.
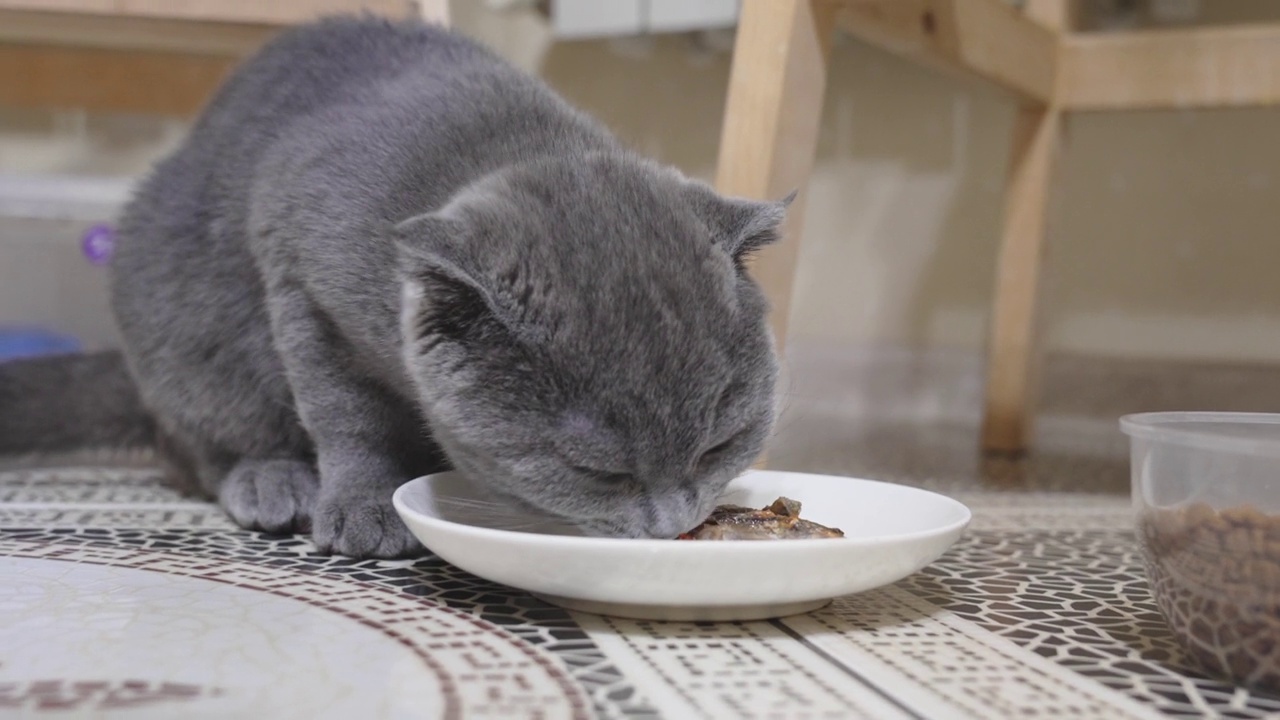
(380, 242)
(69, 402)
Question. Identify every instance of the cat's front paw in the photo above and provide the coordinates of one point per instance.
(361, 525)
(275, 495)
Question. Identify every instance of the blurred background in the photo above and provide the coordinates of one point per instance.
(1161, 284)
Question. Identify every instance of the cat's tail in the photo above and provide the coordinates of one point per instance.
(65, 403)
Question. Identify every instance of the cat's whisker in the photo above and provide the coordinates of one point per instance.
(528, 526)
(499, 515)
(480, 507)
(469, 502)
(485, 505)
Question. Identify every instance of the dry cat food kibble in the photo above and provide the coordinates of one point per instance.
(1216, 577)
(779, 521)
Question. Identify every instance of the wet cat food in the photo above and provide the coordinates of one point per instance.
(779, 521)
(1215, 575)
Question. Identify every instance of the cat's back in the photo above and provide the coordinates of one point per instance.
(308, 70)
(192, 208)
(182, 249)
(361, 81)
(335, 60)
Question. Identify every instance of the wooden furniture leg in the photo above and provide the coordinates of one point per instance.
(771, 120)
(1013, 355)
(435, 11)
(770, 132)
(1013, 351)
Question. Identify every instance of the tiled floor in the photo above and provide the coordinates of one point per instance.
(121, 597)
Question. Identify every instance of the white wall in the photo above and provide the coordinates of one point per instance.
(1164, 232)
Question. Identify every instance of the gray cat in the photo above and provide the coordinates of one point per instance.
(381, 252)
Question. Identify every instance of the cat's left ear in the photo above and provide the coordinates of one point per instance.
(743, 226)
(430, 246)
(435, 261)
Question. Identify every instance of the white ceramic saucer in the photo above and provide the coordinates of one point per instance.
(891, 532)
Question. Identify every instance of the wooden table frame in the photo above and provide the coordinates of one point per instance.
(162, 57)
(775, 99)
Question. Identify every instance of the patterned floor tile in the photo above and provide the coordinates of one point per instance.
(1042, 605)
(423, 584)
(943, 666)
(1079, 598)
(479, 670)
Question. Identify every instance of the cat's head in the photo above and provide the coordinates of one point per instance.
(585, 340)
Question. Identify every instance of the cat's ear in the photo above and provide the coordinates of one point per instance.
(743, 226)
(430, 248)
(435, 260)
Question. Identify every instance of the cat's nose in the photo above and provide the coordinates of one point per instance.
(671, 518)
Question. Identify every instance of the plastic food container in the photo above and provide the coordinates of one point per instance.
(1206, 490)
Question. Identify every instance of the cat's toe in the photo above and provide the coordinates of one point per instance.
(273, 495)
(362, 526)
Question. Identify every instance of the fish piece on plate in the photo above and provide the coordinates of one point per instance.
(779, 521)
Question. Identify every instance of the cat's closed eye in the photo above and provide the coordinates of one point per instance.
(603, 477)
(717, 450)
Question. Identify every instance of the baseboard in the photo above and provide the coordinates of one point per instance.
(900, 384)
(63, 197)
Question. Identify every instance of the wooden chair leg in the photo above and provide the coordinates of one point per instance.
(1013, 354)
(434, 11)
(770, 132)
(771, 120)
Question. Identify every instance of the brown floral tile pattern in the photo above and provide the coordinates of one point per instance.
(529, 620)
(87, 486)
(481, 670)
(102, 518)
(84, 696)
